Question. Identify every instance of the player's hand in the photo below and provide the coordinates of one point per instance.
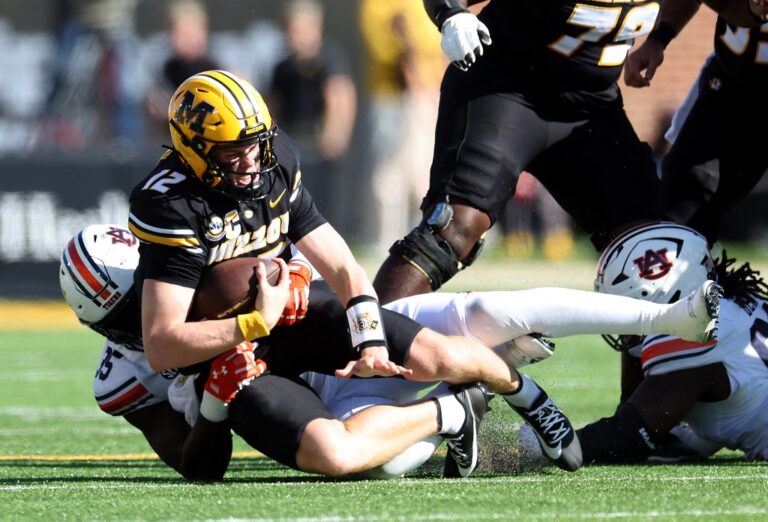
(298, 298)
(648, 57)
(463, 39)
(271, 300)
(373, 361)
(230, 372)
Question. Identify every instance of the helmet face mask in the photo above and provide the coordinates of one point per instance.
(623, 343)
(261, 179)
(216, 109)
(660, 262)
(96, 279)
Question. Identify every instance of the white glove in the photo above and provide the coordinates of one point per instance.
(463, 39)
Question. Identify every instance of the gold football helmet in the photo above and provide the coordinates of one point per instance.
(217, 108)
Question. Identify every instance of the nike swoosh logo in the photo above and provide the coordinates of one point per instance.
(551, 452)
(273, 202)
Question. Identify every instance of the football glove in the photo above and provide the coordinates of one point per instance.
(463, 39)
(230, 372)
(298, 300)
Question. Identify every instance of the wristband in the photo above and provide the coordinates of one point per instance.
(365, 325)
(663, 33)
(213, 408)
(252, 326)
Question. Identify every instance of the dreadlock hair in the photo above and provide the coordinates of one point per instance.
(743, 284)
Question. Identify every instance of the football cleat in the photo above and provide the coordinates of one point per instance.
(557, 438)
(698, 313)
(461, 460)
(528, 349)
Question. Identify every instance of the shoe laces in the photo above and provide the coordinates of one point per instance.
(456, 448)
(551, 420)
(457, 451)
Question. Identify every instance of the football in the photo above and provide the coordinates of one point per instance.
(230, 288)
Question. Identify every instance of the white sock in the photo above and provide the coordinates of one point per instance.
(451, 413)
(528, 392)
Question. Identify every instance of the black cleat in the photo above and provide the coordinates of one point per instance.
(461, 460)
(557, 438)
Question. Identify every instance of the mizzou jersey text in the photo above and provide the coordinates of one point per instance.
(571, 49)
(185, 226)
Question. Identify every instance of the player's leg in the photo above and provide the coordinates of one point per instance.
(742, 157)
(434, 356)
(345, 397)
(284, 419)
(691, 169)
(603, 176)
(496, 317)
(482, 143)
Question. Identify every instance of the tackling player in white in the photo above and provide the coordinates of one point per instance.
(717, 389)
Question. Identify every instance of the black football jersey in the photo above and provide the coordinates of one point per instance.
(742, 54)
(567, 49)
(184, 226)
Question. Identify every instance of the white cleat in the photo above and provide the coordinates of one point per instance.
(524, 350)
(696, 315)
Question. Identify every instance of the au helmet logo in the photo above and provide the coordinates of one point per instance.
(120, 235)
(653, 264)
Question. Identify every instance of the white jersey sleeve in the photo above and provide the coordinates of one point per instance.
(125, 382)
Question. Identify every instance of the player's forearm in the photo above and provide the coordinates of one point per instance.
(185, 344)
(673, 17)
(624, 437)
(677, 13)
(350, 280)
(331, 257)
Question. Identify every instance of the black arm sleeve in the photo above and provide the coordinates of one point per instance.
(440, 10)
(621, 438)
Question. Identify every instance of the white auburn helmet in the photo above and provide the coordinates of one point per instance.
(96, 279)
(660, 262)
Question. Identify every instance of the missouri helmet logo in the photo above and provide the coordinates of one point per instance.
(195, 115)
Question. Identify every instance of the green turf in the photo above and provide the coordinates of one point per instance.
(46, 408)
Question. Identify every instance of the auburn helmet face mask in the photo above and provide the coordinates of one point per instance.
(660, 262)
(218, 109)
(96, 279)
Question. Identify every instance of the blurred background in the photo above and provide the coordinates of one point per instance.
(85, 90)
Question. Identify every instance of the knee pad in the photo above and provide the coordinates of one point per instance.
(431, 253)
